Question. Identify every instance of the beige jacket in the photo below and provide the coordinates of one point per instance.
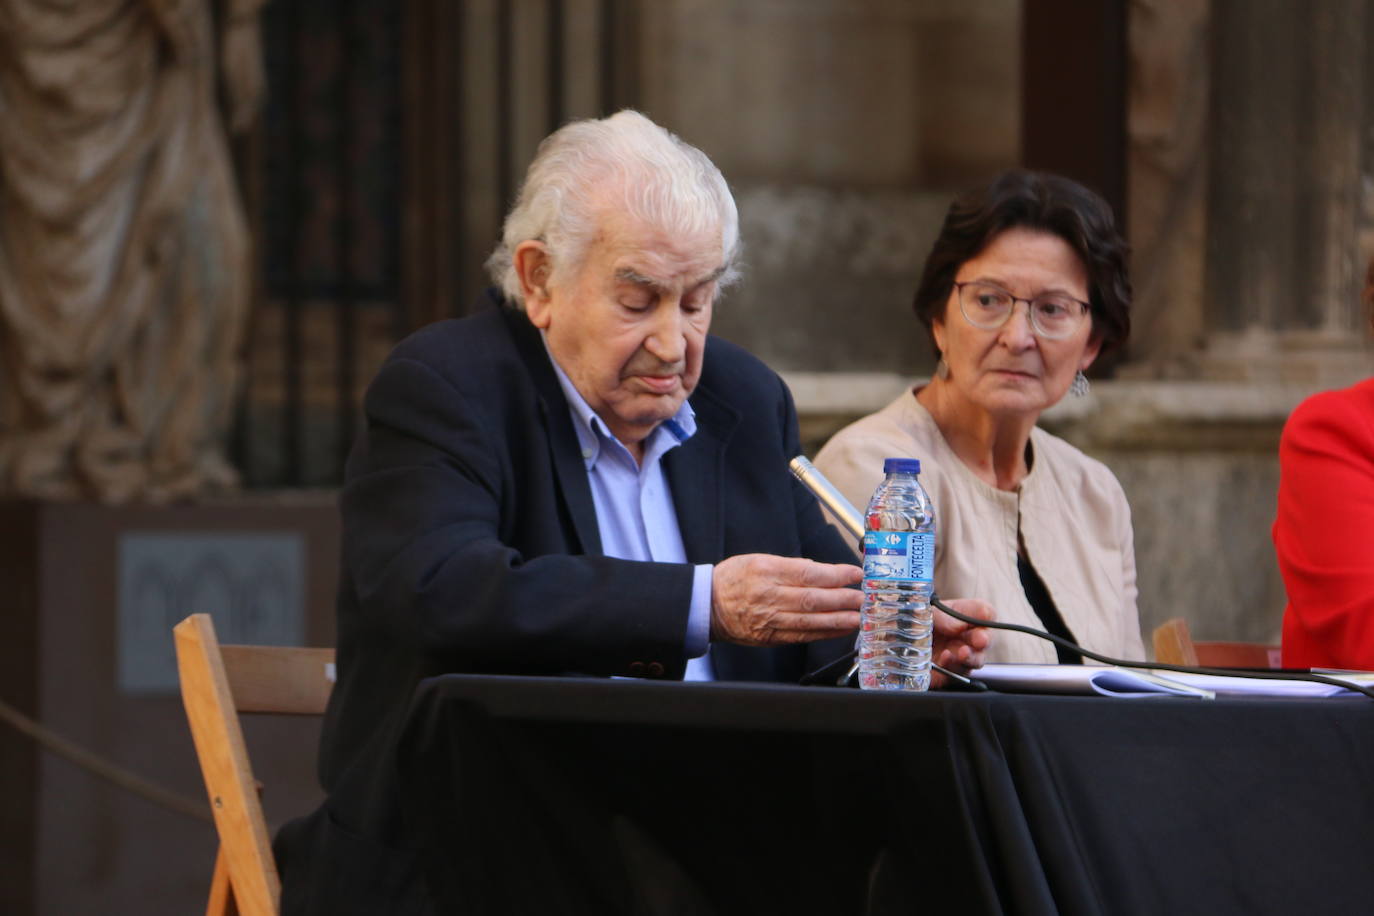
(1070, 509)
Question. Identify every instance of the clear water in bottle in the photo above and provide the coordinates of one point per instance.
(899, 561)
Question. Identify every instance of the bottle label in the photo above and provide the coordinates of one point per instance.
(899, 555)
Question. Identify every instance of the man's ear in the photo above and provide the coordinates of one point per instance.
(533, 267)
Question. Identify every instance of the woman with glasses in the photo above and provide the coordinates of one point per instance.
(1324, 529)
(1024, 288)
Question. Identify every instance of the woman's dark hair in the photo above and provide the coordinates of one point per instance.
(1048, 203)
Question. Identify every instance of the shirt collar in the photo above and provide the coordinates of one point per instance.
(591, 429)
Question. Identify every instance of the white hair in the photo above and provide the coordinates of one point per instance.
(578, 170)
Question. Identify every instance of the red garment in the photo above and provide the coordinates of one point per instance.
(1324, 532)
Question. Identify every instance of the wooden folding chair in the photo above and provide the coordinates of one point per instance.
(1174, 645)
(217, 684)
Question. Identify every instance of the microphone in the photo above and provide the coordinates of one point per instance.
(824, 491)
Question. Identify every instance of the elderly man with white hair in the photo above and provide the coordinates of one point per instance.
(579, 479)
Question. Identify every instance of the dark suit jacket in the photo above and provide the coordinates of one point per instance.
(470, 542)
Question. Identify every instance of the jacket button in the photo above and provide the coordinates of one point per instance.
(636, 669)
(655, 669)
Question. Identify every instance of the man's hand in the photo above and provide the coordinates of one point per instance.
(956, 645)
(763, 600)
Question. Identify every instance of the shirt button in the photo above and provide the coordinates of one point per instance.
(586, 453)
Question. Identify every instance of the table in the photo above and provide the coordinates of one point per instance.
(588, 796)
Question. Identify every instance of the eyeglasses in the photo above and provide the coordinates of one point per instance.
(989, 307)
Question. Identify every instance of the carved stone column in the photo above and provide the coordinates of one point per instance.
(1248, 129)
(1167, 115)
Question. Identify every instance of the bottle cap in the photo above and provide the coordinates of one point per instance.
(902, 466)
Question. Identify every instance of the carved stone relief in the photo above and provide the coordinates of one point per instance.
(125, 258)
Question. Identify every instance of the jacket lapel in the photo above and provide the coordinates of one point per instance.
(564, 452)
(695, 471)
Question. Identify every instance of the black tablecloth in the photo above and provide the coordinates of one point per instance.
(566, 795)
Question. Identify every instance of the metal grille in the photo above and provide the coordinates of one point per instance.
(383, 126)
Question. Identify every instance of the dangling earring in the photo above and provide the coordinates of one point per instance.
(942, 369)
(1080, 385)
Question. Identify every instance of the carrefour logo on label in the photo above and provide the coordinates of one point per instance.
(893, 538)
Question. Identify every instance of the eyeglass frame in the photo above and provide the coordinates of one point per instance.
(1030, 310)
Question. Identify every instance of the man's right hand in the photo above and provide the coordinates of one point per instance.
(762, 600)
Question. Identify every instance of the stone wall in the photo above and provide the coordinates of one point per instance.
(844, 129)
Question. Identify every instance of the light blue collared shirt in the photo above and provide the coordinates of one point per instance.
(634, 507)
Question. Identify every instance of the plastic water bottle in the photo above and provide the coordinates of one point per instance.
(899, 563)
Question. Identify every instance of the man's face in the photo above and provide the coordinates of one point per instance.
(629, 327)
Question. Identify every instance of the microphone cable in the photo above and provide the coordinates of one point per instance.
(1275, 675)
(970, 680)
(844, 512)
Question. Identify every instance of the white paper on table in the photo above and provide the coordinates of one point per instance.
(1130, 682)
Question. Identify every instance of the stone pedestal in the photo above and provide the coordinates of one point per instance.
(1198, 461)
(1199, 464)
(89, 585)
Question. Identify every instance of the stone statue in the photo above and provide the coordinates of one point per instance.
(125, 257)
